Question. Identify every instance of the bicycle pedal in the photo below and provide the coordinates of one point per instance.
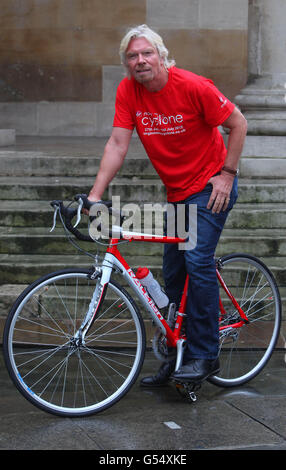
(188, 390)
(179, 385)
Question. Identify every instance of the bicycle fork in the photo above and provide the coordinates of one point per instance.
(103, 276)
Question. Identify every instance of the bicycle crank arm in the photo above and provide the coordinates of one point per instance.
(180, 352)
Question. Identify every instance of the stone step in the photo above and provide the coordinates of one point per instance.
(128, 189)
(263, 167)
(47, 165)
(136, 163)
(257, 216)
(21, 269)
(7, 137)
(39, 164)
(37, 240)
(39, 214)
(262, 157)
(37, 170)
(26, 268)
(261, 191)
(68, 157)
(42, 188)
(249, 190)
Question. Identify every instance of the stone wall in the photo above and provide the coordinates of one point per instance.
(66, 51)
(54, 49)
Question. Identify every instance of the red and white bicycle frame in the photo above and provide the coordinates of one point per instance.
(114, 259)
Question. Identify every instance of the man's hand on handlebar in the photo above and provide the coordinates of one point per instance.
(84, 206)
(88, 202)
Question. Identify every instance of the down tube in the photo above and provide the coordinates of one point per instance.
(137, 287)
(150, 306)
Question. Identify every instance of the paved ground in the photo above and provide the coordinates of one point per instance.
(251, 417)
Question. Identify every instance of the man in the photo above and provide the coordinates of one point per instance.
(176, 114)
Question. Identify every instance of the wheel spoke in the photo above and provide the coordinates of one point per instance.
(58, 370)
(244, 351)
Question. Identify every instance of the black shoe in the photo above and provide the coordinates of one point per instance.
(162, 376)
(196, 370)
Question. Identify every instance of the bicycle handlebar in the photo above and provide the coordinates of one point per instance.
(69, 213)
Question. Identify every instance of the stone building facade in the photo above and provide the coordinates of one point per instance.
(59, 70)
(59, 62)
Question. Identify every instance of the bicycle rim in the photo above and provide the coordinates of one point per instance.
(245, 351)
(55, 372)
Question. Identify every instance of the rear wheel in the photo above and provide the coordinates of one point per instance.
(48, 363)
(245, 351)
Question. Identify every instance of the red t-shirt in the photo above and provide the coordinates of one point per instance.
(178, 128)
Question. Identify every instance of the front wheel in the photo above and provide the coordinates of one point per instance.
(47, 362)
(244, 351)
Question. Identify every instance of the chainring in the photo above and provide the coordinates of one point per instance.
(160, 348)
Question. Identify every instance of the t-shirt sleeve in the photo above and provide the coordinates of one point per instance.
(212, 104)
(123, 115)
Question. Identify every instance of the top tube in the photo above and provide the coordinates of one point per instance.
(149, 238)
(154, 239)
(144, 237)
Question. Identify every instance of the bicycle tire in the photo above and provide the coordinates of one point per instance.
(245, 351)
(46, 365)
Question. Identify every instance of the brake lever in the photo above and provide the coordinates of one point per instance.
(80, 206)
(56, 210)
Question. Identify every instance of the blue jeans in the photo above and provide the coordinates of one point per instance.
(203, 293)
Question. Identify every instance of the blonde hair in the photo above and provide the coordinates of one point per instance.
(143, 31)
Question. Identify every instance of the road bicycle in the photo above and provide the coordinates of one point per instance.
(75, 339)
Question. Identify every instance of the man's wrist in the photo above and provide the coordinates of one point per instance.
(93, 197)
(230, 171)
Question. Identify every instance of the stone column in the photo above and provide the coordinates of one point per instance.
(263, 100)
